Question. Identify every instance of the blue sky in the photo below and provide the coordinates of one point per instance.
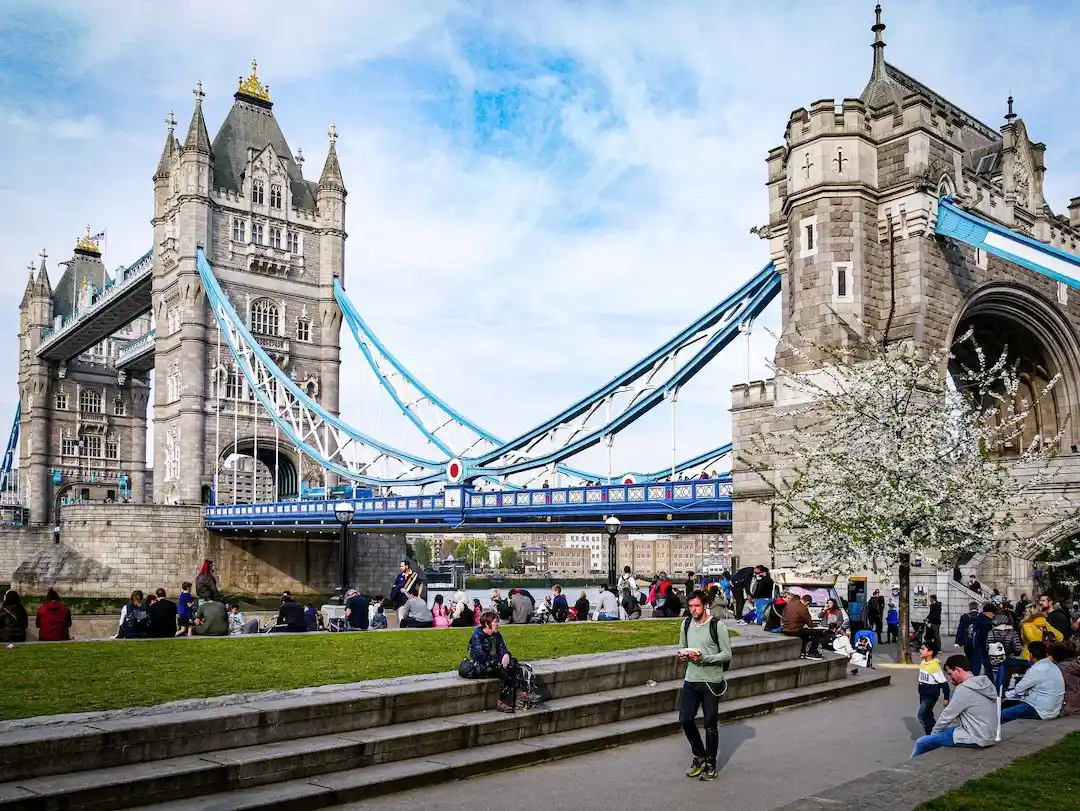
(539, 193)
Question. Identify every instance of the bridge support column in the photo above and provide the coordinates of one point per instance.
(375, 561)
(138, 466)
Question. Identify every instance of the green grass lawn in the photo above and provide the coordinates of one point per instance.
(1048, 779)
(84, 676)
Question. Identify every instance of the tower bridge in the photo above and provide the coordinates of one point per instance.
(895, 208)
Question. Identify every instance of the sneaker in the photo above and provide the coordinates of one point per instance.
(709, 772)
(696, 768)
(817, 657)
(503, 707)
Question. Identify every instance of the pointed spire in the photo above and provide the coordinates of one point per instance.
(331, 174)
(1009, 116)
(879, 44)
(300, 160)
(167, 152)
(31, 288)
(43, 275)
(198, 139)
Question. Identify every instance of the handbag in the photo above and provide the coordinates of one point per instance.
(467, 669)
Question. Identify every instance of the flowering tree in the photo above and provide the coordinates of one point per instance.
(891, 451)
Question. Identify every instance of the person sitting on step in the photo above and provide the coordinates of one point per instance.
(416, 613)
(489, 657)
(797, 622)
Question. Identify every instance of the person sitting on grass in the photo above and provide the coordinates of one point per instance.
(290, 618)
(1041, 690)
(970, 720)
(1065, 658)
(490, 658)
(356, 611)
(210, 620)
(630, 605)
(378, 621)
(415, 613)
(134, 618)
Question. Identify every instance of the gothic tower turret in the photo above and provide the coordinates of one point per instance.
(35, 317)
(330, 202)
(183, 223)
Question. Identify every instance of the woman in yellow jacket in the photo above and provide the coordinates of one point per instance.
(1035, 628)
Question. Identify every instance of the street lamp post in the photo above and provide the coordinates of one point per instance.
(612, 525)
(343, 512)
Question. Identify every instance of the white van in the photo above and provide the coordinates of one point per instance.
(819, 589)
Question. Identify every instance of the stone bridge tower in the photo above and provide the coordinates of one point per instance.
(276, 241)
(853, 196)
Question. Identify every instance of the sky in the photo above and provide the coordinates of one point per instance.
(539, 192)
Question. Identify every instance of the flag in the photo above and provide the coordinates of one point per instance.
(97, 236)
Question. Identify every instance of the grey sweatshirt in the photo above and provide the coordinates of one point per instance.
(973, 711)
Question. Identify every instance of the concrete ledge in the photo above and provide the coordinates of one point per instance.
(908, 785)
(352, 785)
(54, 745)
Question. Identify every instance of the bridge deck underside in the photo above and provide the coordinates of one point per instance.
(141, 361)
(98, 323)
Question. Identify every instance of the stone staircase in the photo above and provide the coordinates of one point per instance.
(320, 747)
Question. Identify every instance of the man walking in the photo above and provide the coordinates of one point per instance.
(706, 648)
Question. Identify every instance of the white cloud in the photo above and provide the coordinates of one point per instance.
(469, 257)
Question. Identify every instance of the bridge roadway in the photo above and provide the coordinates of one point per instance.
(113, 308)
(698, 505)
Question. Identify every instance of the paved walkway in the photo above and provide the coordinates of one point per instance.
(765, 762)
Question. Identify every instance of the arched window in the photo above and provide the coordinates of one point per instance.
(90, 401)
(264, 317)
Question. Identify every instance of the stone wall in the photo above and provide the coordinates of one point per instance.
(303, 564)
(19, 543)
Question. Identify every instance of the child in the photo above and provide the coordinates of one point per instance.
(893, 621)
(860, 654)
(378, 622)
(185, 609)
(931, 682)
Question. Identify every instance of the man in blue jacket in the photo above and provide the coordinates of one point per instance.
(964, 632)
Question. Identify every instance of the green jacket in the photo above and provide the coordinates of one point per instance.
(714, 656)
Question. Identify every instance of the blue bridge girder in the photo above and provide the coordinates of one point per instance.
(113, 308)
(701, 505)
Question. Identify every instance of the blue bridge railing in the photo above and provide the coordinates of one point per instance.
(702, 501)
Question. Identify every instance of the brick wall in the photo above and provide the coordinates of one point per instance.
(19, 543)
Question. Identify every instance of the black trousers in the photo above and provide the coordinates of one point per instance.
(811, 639)
(707, 697)
(875, 624)
(740, 598)
(511, 679)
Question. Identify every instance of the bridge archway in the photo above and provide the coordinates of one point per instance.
(1006, 316)
(259, 473)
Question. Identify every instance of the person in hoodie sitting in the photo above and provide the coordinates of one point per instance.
(53, 619)
(1041, 691)
(971, 718)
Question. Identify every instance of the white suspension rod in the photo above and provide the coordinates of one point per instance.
(217, 417)
(255, 455)
(674, 399)
(235, 426)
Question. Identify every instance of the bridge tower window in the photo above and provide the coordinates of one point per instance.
(112, 448)
(275, 238)
(257, 192)
(90, 401)
(69, 446)
(294, 242)
(92, 443)
(239, 230)
(257, 233)
(275, 195)
(234, 389)
(175, 320)
(265, 319)
(119, 408)
(303, 330)
(61, 400)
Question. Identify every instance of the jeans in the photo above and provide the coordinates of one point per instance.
(760, 604)
(604, 617)
(928, 743)
(706, 696)
(981, 665)
(926, 712)
(1021, 710)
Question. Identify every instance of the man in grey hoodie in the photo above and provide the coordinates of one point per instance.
(971, 719)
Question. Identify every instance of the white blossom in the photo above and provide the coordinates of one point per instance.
(891, 454)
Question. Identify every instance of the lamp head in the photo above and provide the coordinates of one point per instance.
(344, 512)
(612, 525)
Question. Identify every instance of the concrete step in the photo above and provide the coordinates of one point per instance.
(352, 785)
(63, 744)
(176, 779)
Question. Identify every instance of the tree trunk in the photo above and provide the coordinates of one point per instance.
(903, 653)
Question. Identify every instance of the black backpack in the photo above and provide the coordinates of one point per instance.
(713, 622)
(136, 621)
